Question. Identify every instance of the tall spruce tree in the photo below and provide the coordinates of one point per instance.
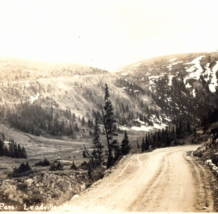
(125, 147)
(109, 123)
(1, 147)
(143, 144)
(146, 143)
(96, 141)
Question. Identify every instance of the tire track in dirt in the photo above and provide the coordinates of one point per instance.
(115, 183)
(137, 205)
(203, 191)
(165, 180)
(150, 196)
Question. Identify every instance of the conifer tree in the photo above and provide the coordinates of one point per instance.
(109, 123)
(143, 145)
(96, 141)
(138, 146)
(125, 147)
(116, 151)
(1, 148)
(146, 143)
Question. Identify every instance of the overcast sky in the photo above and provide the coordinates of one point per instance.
(106, 33)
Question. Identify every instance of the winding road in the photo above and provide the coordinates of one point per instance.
(165, 180)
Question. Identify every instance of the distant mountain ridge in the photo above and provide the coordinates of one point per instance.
(148, 95)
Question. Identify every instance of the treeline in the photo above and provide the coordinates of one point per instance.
(164, 138)
(13, 150)
(167, 137)
(33, 119)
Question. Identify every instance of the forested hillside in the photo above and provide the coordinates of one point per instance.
(178, 92)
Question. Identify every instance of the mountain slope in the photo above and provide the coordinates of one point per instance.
(149, 95)
(180, 84)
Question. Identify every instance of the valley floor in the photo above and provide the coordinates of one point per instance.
(165, 180)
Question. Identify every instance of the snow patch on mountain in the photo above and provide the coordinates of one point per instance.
(138, 64)
(213, 83)
(195, 70)
(32, 99)
(154, 77)
(138, 120)
(193, 93)
(188, 85)
(142, 128)
(196, 65)
(171, 65)
(123, 128)
(171, 60)
(170, 79)
(168, 119)
(207, 72)
(160, 126)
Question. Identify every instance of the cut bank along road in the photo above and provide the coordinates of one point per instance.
(165, 180)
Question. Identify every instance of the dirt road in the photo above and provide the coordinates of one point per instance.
(165, 180)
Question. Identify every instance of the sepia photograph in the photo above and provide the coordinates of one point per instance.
(109, 106)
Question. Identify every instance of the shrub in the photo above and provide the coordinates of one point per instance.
(56, 165)
(43, 163)
(22, 170)
(97, 174)
(84, 165)
(73, 166)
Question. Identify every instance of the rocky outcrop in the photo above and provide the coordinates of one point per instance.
(208, 151)
(44, 187)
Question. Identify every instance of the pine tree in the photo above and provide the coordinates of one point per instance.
(96, 141)
(116, 151)
(109, 123)
(1, 148)
(188, 127)
(125, 147)
(143, 145)
(146, 143)
(195, 132)
(83, 121)
(138, 146)
(24, 154)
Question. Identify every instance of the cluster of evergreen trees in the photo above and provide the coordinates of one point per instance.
(159, 139)
(166, 137)
(32, 118)
(13, 150)
(114, 149)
